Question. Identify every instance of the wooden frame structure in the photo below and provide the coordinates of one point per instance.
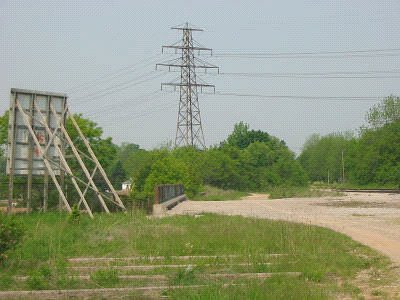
(49, 149)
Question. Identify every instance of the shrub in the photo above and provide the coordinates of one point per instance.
(75, 215)
(11, 233)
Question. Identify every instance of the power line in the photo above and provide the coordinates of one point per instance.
(249, 56)
(299, 97)
(117, 88)
(306, 53)
(334, 75)
(116, 106)
(115, 74)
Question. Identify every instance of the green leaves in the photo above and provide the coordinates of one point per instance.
(170, 170)
(373, 158)
(11, 233)
(384, 113)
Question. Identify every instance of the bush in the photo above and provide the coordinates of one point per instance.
(170, 170)
(11, 233)
(75, 215)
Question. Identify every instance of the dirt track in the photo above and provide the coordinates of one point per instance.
(372, 219)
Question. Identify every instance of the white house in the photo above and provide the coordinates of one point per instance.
(127, 185)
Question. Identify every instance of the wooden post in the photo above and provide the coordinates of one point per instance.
(11, 154)
(46, 162)
(156, 194)
(102, 172)
(46, 140)
(81, 163)
(45, 190)
(30, 159)
(65, 164)
(342, 167)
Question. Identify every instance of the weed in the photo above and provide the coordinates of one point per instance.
(105, 278)
(184, 276)
(378, 293)
(75, 216)
(314, 251)
(211, 193)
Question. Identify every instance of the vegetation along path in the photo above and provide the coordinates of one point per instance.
(370, 218)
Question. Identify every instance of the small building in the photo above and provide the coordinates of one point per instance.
(127, 185)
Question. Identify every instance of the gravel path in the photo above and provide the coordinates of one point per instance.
(370, 218)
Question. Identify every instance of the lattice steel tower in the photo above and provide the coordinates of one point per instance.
(189, 131)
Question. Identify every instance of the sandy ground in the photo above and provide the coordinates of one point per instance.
(370, 218)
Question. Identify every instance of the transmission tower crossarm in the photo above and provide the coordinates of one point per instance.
(183, 47)
(188, 84)
(187, 28)
(182, 65)
(189, 130)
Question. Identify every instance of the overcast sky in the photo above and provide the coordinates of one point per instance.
(103, 55)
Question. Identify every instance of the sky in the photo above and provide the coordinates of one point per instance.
(291, 56)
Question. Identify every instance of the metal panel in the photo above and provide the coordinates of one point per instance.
(22, 147)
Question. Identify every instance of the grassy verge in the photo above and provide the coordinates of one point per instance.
(211, 193)
(349, 185)
(328, 261)
(301, 192)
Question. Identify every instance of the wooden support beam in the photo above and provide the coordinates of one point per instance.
(81, 163)
(45, 160)
(11, 155)
(102, 172)
(64, 162)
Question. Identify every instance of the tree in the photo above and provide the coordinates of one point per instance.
(386, 112)
(378, 156)
(171, 170)
(220, 169)
(117, 175)
(242, 137)
(3, 132)
(321, 155)
(104, 148)
(11, 233)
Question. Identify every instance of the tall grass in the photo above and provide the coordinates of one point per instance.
(317, 252)
(211, 193)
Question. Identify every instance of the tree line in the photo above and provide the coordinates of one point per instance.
(369, 157)
(247, 160)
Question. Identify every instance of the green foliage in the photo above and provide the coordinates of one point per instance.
(234, 239)
(377, 157)
(247, 160)
(242, 137)
(3, 130)
(371, 159)
(11, 233)
(39, 279)
(105, 278)
(300, 192)
(219, 169)
(104, 148)
(75, 216)
(3, 145)
(211, 193)
(323, 155)
(171, 170)
(185, 276)
(386, 112)
(117, 174)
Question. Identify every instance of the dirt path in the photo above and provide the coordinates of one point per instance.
(372, 219)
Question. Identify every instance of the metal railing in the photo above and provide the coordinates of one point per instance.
(165, 192)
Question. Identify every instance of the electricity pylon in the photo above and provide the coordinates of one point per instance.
(189, 131)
